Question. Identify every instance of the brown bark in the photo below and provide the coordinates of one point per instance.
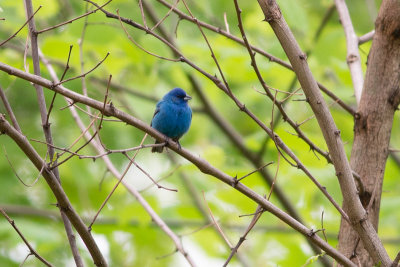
(373, 124)
(357, 215)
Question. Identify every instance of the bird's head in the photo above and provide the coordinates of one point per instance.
(177, 95)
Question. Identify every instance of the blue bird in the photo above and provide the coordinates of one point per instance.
(172, 116)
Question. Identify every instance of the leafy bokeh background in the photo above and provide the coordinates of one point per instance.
(125, 232)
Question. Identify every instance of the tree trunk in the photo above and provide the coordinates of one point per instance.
(373, 124)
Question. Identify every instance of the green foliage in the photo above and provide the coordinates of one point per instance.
(125, 231)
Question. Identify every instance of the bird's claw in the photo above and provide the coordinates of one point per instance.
(179, 145)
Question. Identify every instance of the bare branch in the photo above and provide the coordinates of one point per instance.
(72, 20)
(217, 225)
(141, 47)
(31, 249)
(253, 222)
(166, 16)
(84, 74)
(107, 151)
(112, 191)
(62, 77)
(353, 56)
(9, 110)
(256, 170)
(151, 178)
(58, 192)
(16, 174)
(143, 16)
(26, 22)
(366, 37)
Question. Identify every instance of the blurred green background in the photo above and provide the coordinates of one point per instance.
(124, 231)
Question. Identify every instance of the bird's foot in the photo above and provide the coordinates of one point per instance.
(168, 142)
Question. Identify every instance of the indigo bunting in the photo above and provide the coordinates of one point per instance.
(172, 116)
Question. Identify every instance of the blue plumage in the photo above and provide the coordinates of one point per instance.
(172, 116)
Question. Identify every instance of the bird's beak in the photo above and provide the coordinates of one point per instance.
(187, 97)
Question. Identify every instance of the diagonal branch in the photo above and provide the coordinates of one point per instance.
(9, 110)
(72, 20)
(31, 249)
(62, 199)
(26, 22)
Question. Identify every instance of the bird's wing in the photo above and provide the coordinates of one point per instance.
(155, 112)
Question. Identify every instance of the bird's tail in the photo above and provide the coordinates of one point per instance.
(158, 149)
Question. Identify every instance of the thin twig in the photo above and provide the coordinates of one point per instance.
(142, 13)
(216, 223)
(122, 88)
(199, 229)
(72, 20)
(322, 226)
(166, 15)
(164, 177)
(275, 177)
(67, 65)
(234, 250)
(31, 249)
(131, 160)
(93, 116)
(9, 110)
(141, 47)
(62, 77)
(256, 170)
(366, 37)
(226, 23)
(151, 178)
(16, 174)
(84, 74)
(56, 164)
(107, 152)
(26, 22)
(110, 194)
